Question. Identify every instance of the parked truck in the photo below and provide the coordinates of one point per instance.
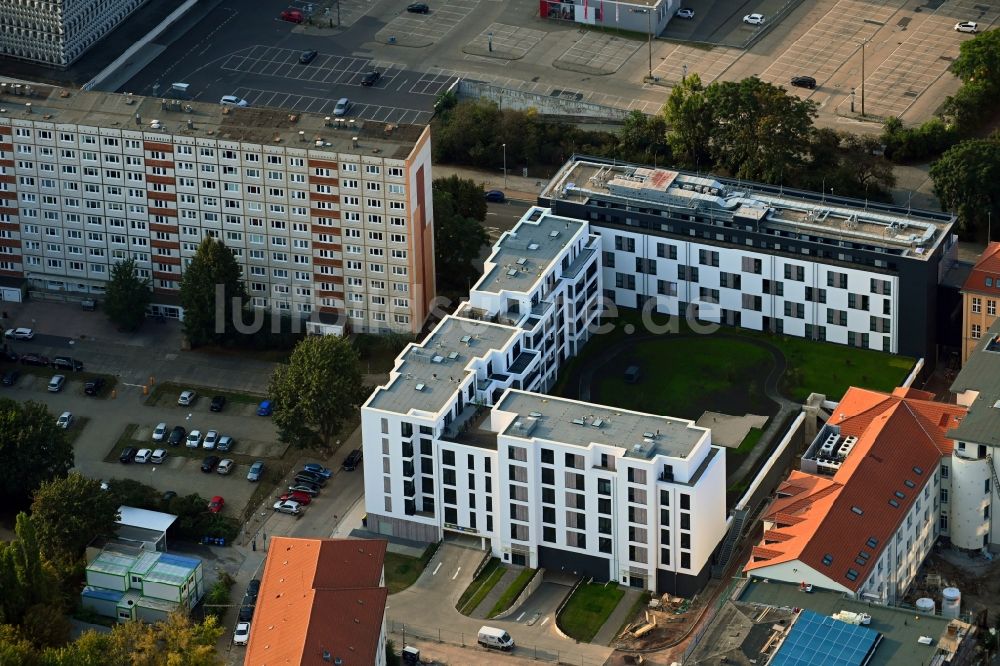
(853, 618)
(495, 639)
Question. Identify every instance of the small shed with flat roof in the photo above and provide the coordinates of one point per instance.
(144, 528)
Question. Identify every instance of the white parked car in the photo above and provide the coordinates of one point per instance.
(685, 13)
(193, 439)
(143, 456)
(242, 634)
(211, 439)
(287, 506)
(967, 26)
(56, 383)
(160, 432)
(225, 467)
(159, 455)
(754, 19)
(233, 100)
(20, 333)
(65, 420)
(343, 104)
(186, 398)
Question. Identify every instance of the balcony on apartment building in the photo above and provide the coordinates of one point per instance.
(467, 428)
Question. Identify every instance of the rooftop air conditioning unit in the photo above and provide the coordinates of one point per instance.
(419, 387)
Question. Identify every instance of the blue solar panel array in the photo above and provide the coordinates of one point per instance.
(818, 640)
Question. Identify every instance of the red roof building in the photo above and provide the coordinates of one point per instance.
(321, 601)
(862, 512)
(980, 295)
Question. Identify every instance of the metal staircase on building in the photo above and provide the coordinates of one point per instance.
(993, 473)
(730, 542)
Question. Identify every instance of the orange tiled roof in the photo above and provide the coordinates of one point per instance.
(817, 518)
(988, 266)
(319, 595)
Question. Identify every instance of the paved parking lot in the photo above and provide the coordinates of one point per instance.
(284, 63)
(417, 30)
(499, 40)
(831, 41)
(929, 49)
(107, 419)
(597, 53)
(684, 59)
(325, 105)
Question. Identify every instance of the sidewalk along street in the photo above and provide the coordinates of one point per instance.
(517, 187)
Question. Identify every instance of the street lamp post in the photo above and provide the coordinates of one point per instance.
(505, 166)
(649, 30)
(863, 45)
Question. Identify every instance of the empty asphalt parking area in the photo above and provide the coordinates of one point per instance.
(931, 45)
(832, 41)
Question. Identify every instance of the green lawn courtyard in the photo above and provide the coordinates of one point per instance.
(588, 609)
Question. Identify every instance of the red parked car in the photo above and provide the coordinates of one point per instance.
(297, 496)
(292, 16)
(215, 506)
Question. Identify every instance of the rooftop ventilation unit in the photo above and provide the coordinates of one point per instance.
(637, 448)
(533, 246)
(512, 272)
(437, 359)
(453, 355)
(648, 435)
(535, 415)
(466, 339)
(521, 261)
(419, 387)
(579, 422)
(554, 233)
(597, 423)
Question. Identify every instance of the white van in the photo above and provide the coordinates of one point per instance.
(496, 639)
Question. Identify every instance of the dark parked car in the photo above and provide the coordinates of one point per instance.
(218, 402)
(246, 610)
(8, 355)
(35, 359)
(94, 386)
(177, 436)
(418, 8)
(307, 57)
(804, 82)
(10, 377)
(369, 79)
(67, 363)
(128, 455)
(310, 477)
(209, 464)
(305, 487)
(352, 461)
(496, 196)
(253, 588)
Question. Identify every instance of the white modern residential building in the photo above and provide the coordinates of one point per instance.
(332, 224)
(975, 495)
(459, 441)
(762, 257)
(867, 504)
(57, 32)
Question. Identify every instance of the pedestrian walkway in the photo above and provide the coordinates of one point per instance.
(482, 611)
(619, 616)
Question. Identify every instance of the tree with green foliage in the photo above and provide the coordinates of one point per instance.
(15, 648)
(979, 59)
(25, 579)
(967, 181)
(643, 139)
(760, 131)
(32, 450)
(458, 242)
(126, 296)
(213, 294)
(69, 512)
(466, 194)
(468, 134)
(316, 391)
(691, 124)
